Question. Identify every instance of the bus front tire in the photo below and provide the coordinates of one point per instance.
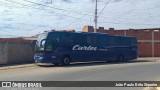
(65, 61)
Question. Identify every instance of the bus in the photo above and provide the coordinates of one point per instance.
(62, 48)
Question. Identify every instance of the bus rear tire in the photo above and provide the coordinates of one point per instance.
(65, 61)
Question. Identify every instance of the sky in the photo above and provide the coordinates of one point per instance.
(30, 17)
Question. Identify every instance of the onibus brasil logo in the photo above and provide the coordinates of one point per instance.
(21, 84)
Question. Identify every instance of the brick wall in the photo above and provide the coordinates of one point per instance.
(13, 40)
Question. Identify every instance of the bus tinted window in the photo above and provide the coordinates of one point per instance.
(123, 41)
(134, 41)
(102, 40)
(94, 40)
(79, 38)
(112, 40)
(67, 38)
(89, 39)
(61, 37)
(54, 37)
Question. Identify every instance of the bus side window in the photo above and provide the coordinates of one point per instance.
(67, 39)
(54, 37)
(49, 46)
(134, 41)
(79, 39)
(89, 39)
(112, 40)
(102, 40)
(94, 40)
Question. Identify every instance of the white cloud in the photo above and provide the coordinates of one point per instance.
(29, 18)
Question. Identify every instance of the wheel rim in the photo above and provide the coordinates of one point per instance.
(66, 61)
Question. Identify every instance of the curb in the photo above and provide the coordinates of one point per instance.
(148, 58)
(16, 66)
(152, 88)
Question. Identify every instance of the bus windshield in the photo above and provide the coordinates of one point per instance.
(49, 46)
(41, 41)
(47, 42)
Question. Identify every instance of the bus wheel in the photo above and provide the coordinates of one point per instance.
(65, 61)
(120, 58)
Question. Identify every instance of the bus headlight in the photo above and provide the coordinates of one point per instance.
(38, 57)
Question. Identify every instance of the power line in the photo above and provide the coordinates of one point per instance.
(128, 23)
(76, 20)
(59, 9)
(96, 17)
(6, 4)
(52, 12)
(41, 9)
(45, 5)
(53, 7)
(103, 8)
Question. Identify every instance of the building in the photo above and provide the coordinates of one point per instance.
(148, 39)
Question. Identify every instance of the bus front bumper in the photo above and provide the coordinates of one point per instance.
(40, 58)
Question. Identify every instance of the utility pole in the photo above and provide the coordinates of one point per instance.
(95, 19)
(153, 44)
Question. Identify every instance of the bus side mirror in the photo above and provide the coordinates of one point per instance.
(42, 43)
(32, 43)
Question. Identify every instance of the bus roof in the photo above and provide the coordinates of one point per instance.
(77, 32)
(97, 33)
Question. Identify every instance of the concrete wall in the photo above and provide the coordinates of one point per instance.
(3, 53)
(15, 52)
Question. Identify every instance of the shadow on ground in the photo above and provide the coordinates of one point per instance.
(82, 64)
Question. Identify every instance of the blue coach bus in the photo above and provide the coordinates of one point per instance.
(61, 48)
